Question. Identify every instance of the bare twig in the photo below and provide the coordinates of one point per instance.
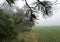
(31, 11)
(55, 2)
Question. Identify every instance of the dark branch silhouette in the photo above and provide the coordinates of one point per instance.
(31, 11)
(10, 1)
(44, 6)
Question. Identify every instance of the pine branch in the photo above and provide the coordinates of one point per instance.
(10, 1)
(31, 11)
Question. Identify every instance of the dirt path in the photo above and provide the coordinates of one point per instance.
(28, 37)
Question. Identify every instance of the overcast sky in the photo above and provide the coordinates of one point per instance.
(52, 21)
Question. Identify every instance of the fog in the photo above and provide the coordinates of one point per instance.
(51, 21)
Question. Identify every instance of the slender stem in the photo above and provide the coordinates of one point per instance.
(28, 6)
(38, 1)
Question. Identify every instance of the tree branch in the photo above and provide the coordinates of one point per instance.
(38, 1)
(31, 11)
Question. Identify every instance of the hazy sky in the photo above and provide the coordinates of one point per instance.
(54, 20)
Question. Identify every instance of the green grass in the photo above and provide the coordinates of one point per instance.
(48, 33)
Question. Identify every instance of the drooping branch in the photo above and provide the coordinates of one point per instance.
(28, 7)
(45, 7)
(31, 11)
(10, 1)
(38, 0)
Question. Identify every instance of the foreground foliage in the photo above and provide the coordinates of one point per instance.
(12, 24)
(8, 29)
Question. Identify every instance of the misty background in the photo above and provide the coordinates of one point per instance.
(51, 21)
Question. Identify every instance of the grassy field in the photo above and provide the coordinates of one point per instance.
(48, 33)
